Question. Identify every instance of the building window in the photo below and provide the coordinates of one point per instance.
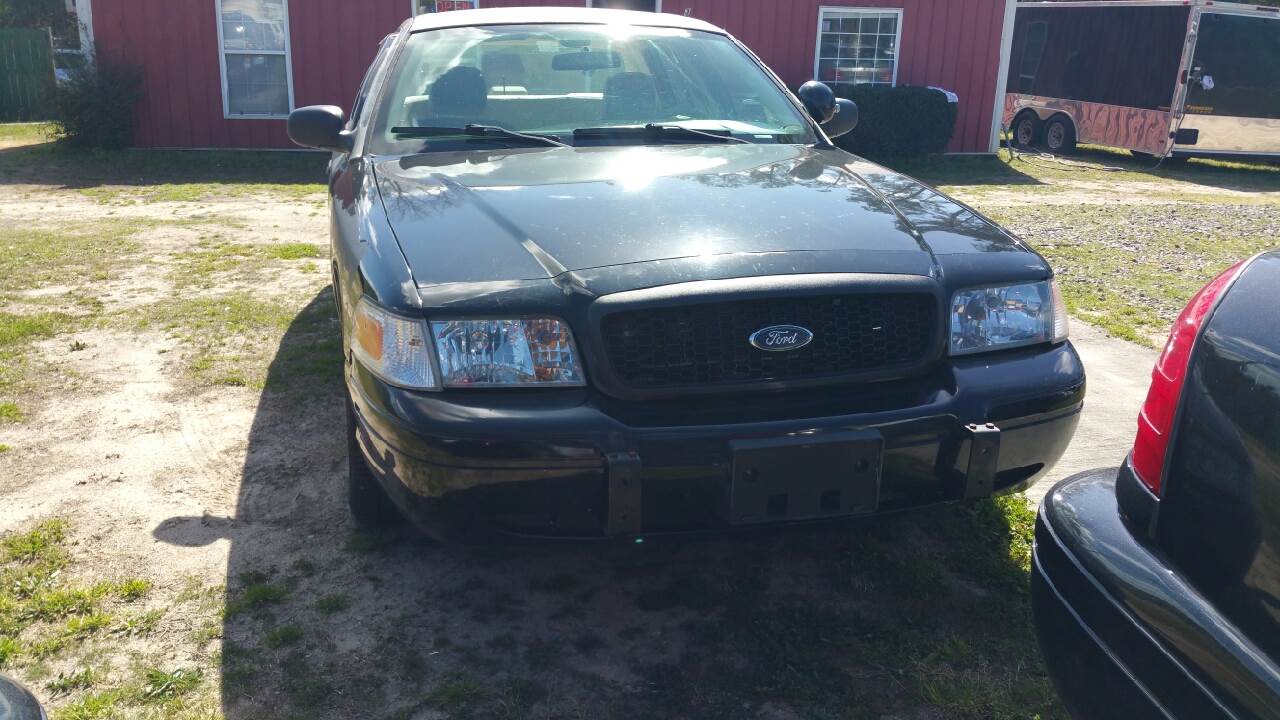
(430, 6)
(257, 78)
(858, 47)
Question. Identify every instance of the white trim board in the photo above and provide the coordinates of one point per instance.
(1002, 76)
(84, 18)
(222, 65)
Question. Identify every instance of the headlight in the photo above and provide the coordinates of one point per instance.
(496, 353)
(393, 347)
(994, 318)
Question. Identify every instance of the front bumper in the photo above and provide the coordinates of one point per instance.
(1122, 633)
(573, 462)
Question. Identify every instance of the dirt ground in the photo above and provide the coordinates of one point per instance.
(214, 493)
(177, 429)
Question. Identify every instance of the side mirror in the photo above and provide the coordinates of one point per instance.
(819, 100)
(319, 126)
(845, 119)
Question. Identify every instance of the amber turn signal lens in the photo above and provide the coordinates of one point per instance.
(393, 347)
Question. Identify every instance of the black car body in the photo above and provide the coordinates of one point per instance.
(1156, 587)
(761, 325)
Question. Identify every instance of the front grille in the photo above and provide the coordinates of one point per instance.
(706, 344)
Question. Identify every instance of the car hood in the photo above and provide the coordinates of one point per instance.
(662, 214)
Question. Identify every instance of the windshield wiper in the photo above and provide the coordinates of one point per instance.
(656, 131)
(475, 131)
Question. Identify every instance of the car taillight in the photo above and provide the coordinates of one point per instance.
(1155, 421)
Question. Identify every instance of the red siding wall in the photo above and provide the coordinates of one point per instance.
(175, 42)
(953, 44)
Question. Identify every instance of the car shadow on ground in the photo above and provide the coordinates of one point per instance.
(898, 615)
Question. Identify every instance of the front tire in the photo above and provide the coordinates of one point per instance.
(370, 506)
(1060, 135)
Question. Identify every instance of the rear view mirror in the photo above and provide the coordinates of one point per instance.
(587, 60)
(845, 119)
(319, 126)
(837, 116)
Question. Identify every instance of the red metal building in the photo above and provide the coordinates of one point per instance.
(224, 73)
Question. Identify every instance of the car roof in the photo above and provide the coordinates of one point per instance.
(556, 15)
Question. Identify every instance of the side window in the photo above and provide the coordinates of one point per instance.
(357, 107)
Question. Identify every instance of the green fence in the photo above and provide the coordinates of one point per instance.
(26, 74)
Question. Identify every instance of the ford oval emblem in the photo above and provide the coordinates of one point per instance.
(780, 338)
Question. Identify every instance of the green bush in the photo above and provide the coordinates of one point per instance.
(95, 107)
(899, 122)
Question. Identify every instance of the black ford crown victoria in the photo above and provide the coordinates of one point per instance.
(1156, 586)
(599, 273)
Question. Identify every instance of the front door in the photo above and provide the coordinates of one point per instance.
(1233, 94)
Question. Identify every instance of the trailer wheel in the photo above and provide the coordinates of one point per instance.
(1026, 129)
(1060, 135)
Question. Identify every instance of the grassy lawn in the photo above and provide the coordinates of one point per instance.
(170, 411)
(23, 134)
(130, 177)
(1129, 246)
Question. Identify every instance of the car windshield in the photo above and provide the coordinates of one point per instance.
(599, 80)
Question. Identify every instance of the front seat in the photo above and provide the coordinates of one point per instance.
(459, 95)
(630, 97)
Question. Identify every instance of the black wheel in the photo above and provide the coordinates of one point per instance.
(369, 503)
(1060, 135)
(1026, 130)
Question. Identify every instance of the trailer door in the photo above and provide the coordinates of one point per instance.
(1233, 93)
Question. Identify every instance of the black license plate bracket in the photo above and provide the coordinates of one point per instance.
(805, 477)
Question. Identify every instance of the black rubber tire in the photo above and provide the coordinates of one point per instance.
(1060, 135)
(1026, 129)
(370, 506)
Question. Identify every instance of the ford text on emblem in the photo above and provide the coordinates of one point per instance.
(779, 338)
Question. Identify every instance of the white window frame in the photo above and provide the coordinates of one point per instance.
(413, 7)
(222, 65)
(858, 10)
